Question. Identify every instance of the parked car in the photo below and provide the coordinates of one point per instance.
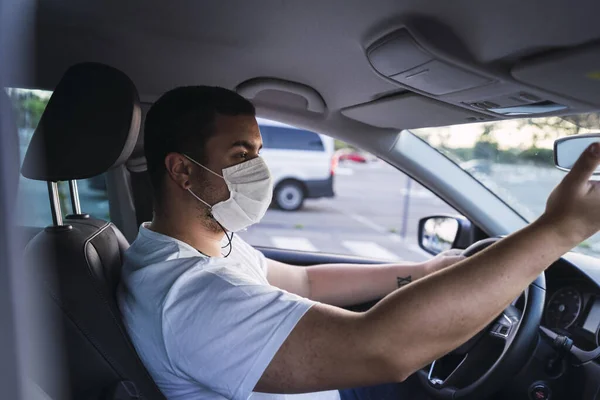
(477, 166)
(351, 155)
(301, 161)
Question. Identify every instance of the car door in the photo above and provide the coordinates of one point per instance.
(17, 303)
(9, 256)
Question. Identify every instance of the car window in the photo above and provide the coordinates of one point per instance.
(33, 201)
(514, 158)
(276, 137)
(345, 202)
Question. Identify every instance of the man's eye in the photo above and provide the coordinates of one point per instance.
(243, 155)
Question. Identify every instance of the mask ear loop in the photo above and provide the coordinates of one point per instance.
(200, 165)
(229, 239)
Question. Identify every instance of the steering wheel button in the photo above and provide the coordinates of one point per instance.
(500, 330)
(539, 391)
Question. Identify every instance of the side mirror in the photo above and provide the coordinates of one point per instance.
(442, 232)
(568, 149)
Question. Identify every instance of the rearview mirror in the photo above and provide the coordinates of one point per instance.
(568, 149)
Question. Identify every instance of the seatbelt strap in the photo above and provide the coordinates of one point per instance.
(122, 390)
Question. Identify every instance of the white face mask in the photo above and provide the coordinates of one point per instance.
(250, 193)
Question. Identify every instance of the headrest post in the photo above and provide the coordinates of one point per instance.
(74, 197)
(55, 203)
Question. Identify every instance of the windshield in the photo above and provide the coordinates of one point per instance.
(514, 158)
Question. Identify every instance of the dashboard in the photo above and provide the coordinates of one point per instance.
(572, 305)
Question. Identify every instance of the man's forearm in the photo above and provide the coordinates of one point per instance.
(347, 284)
(460, 300)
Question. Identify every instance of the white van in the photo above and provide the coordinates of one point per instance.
(302, 163)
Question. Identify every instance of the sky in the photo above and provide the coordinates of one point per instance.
(508, 134)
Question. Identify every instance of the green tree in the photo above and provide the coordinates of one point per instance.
(486, 148)
(555, 127)
(34, 107)
(338, 144)
(28, 107)
(538, 156)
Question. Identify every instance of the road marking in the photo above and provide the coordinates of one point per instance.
(417, 193)
(292, 243)
(369, 249)
(365, 221)
(344, 171)
(394, 237)
(414, 248)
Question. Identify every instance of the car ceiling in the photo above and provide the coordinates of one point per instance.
(319, 44)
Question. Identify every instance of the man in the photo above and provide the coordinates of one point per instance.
(212, 318)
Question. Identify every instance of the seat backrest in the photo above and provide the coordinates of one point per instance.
(90, 125)
(139, 179)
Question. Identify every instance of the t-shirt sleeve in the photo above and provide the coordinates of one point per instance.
(222, 330)
(256, 255)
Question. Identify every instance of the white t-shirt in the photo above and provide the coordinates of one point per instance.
(205, 328)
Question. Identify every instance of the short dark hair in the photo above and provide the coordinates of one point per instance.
(181, 121)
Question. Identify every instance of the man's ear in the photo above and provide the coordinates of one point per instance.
(179, 169)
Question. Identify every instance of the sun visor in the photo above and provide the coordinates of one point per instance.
(574, 73)
(400, 58)
(411, 111)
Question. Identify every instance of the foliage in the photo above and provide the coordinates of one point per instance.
(490, 151)
(458, 154)
(551, 128)
(510, 156)
(338, 144)
(487, 148)
(35, 107)
(28, 107)
(538, 156)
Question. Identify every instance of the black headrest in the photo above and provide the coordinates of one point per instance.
(90, 125)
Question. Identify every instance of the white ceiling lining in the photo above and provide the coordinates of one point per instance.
(316, 43)
(574, 73)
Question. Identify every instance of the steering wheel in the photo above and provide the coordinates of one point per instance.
(479, 367)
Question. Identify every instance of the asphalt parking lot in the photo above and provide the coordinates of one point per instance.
(367, 217)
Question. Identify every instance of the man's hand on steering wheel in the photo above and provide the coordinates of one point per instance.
(443, 260)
